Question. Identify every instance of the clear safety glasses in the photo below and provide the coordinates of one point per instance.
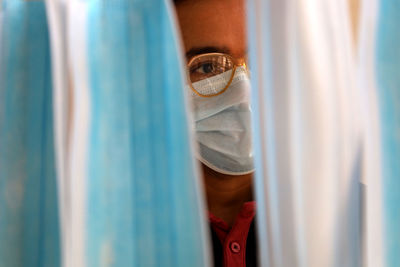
(211, 74)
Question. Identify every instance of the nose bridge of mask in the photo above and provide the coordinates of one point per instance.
(237, 93)
(212, 85)
(209, 86)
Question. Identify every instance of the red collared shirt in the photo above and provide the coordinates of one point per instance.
(233, 248)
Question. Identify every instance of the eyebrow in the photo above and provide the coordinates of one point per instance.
(206, 49)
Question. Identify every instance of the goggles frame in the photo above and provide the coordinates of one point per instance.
(236, 63)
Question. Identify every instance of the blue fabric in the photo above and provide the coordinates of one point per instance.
(143, 200)
(29, 228)
(388, 81)
(258, 24)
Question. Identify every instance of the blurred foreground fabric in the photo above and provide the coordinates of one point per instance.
(308, 133)
(29, 221)
(96, 146)
(127, 182)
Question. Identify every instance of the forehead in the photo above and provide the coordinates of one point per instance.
(211, 23)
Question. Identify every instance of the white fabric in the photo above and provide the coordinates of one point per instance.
(373, 245)
(307, 138)
(71, 101)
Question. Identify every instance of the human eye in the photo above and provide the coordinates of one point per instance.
(204, 68)
(208, 66)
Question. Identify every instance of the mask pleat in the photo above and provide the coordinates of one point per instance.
(144, 204)
(29, 230)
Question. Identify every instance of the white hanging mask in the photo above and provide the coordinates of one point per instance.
(223, 124)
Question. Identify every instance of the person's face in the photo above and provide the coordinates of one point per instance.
(213, 26)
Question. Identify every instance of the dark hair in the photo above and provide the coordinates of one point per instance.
(178, 1)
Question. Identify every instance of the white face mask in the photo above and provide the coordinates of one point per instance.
(223, 125)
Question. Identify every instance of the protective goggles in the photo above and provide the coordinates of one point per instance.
(218, 66)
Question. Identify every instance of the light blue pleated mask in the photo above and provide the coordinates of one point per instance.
(223, 128)
(29, 222)
(387, 69)
(143, 197)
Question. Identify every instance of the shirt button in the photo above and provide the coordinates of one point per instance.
(235, 247)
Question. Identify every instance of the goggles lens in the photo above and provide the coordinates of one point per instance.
(219, 67)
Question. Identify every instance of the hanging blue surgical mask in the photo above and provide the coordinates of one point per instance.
(223, 127)
(29, 213)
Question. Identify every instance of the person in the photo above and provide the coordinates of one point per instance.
(214, 39)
